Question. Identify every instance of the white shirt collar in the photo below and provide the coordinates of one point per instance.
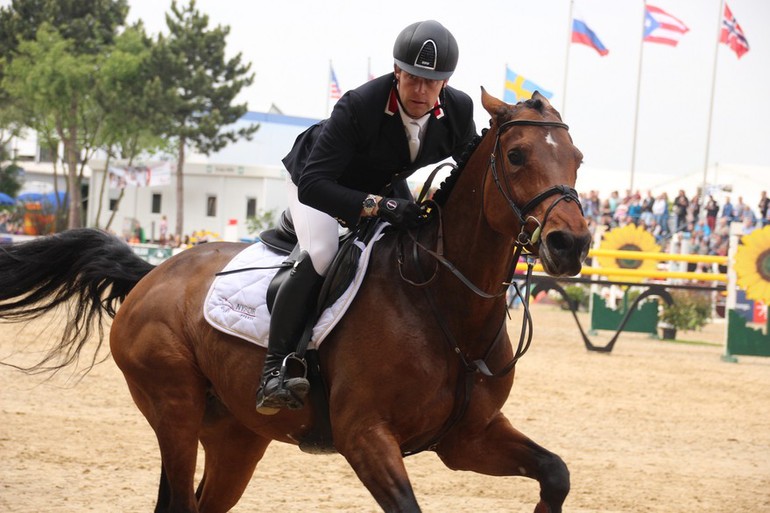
(406, 119)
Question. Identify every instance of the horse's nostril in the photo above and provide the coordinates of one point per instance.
(561, 242)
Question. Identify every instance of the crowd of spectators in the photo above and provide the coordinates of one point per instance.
(704, 225)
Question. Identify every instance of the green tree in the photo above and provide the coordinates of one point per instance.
(130, 97)
(261, 221)
(9, 170)
(51, 56)
(200, 85)
(9, 178)
(49, 85)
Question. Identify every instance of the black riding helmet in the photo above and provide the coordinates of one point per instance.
(426, 49)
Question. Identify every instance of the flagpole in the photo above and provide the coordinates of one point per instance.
(566, 61)
(638, 96)
(505, 83)
(711, 104)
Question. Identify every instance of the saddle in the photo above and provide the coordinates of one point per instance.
(283, 240)
(342, 271)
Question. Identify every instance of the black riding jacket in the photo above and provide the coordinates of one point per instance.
(362, 148)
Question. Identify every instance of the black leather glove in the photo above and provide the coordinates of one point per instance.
(400, 213)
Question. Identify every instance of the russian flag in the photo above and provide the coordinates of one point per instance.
(582, 34)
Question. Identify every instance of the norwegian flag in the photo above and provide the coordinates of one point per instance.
(335, 93)
(732, 34)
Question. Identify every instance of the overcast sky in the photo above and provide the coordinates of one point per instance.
(290, 43)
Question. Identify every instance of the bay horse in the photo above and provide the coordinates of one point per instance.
(408, 368)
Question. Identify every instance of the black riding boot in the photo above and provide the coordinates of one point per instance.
(295, 301)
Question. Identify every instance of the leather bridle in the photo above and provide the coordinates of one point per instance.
(565, 192)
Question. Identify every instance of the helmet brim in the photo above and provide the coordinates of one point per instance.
(417, 71)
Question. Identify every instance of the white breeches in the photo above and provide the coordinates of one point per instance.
(317, 232)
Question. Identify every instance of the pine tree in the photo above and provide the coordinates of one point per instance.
(200, 85)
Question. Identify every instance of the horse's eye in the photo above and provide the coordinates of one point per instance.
(516, 157)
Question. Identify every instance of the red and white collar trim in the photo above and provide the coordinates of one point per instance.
(391, 108)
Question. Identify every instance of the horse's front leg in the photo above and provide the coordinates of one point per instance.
(496, 448)
(375, 456)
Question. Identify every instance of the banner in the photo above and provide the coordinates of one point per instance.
(139, 176)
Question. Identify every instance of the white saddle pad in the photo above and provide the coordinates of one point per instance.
(236, 303)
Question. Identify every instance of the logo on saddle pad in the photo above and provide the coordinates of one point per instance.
(245, 309)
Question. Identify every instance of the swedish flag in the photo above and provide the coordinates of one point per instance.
(518, 88)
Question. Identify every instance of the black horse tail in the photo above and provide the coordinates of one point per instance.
(86, 271)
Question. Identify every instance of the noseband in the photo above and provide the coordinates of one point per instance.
(565, 192)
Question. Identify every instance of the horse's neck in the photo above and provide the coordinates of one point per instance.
(481, 254)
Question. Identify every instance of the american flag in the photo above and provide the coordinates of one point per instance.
(732, 34)
(334, 87)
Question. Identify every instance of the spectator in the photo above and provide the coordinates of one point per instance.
(723, 227)
(748, 224)
(764, 202)
(660, 212)
(657, 231)
(693, 213)
(728, 212)
(702, 228)
(712, 210)
(621, 211)
(635, 210)
(164, 230)
(647, 208)
(681, 204)
(739, 212)
(613, 202)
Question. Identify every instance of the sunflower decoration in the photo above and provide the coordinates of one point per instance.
(628, 238)
(752, 264)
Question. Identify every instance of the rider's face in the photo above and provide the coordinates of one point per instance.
(418, 95)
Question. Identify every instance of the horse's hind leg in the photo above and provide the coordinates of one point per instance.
(176, 423)
(171, 393)
(232, 453)
(498, 449)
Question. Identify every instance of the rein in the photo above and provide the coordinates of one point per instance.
(471, 367)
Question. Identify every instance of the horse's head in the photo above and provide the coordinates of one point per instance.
(529, 186)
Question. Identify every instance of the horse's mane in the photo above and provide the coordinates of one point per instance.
(503, 115)
(442, 194)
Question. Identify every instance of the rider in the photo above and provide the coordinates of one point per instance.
(354, 165)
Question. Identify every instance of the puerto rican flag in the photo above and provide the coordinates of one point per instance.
(661, 27)
(732, 34)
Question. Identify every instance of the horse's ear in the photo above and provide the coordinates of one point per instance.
(491, 104)
(545, 103)
(537, 96)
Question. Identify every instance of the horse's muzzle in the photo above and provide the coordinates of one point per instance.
(562, 252)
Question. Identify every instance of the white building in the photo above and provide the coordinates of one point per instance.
(221, 190)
